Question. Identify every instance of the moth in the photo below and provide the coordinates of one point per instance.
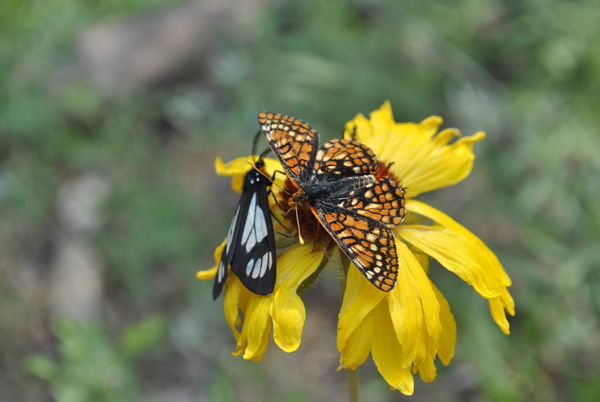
(250, 246)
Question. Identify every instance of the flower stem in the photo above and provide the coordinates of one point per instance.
(353, 385)
(352, 374)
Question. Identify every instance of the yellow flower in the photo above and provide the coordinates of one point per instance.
(408, 327)
(283, 310)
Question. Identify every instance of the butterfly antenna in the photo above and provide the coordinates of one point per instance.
(300, 239)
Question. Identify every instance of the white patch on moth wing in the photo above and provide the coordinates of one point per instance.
(249, 219)
(231, 230)
(265, 263)
(221, 272)
(270, 260)
(249, 267)
(249, 235)
(256, 269)
(260, 225)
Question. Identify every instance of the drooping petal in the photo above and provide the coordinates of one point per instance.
(387, 352)
(429, 302)
(447, 339)
(463, 253)
(358, 345)
(258, 355)
(406, 311)
(230, 305)
(425, 356)
(421, 162)
(427, 369)
(256, 323)
(287, 309)
(360, 298)
(454, 254)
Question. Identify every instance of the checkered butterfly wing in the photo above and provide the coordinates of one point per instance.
(361, 222)
(344, 158)
(250, 245)
(293, 142)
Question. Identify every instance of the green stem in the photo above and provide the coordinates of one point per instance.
(353, 385)
(352, 374)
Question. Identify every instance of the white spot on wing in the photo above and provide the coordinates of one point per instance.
(265, 263)
(249, 267)
(221, 272)
(256, 269)
(260, 225)
(249, 219)
(249, 234)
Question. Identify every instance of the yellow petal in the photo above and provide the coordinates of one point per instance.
(429, 302)
(232, 296)
(363, 130)
(463, 253)
(387, 352)
(446, 221)
(258, 355)
(427, 370)
(240, 166)
(454, 254)
(287, 308)
(422, 161)
(360, 298)
(212, 272)
(406, 311)
(256, 322)
(207, 274)
(447, 339)
(422, 257)
(498, 314)
(358, 345)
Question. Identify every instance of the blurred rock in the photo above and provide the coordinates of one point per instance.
(168, 46)
(75, 285)
(79, 201)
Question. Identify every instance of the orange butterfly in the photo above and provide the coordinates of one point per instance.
(337, 182)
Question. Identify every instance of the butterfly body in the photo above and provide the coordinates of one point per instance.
(250, 246)
(337, 182)
(323, 192)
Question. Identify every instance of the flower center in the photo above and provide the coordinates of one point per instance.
(384, 170)
(293, 204)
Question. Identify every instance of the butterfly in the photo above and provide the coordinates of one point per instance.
(337, 182)
(250, 245)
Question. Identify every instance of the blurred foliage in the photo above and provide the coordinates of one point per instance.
(527, 73)
(90, 368)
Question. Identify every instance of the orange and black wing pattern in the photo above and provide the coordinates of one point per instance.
(361, 224)
(293, 142)
(343, 158)
(382, 202)
(368, 243)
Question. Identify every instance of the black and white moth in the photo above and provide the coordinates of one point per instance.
(250, 245)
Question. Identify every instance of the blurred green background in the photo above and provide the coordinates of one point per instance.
(111, 116)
